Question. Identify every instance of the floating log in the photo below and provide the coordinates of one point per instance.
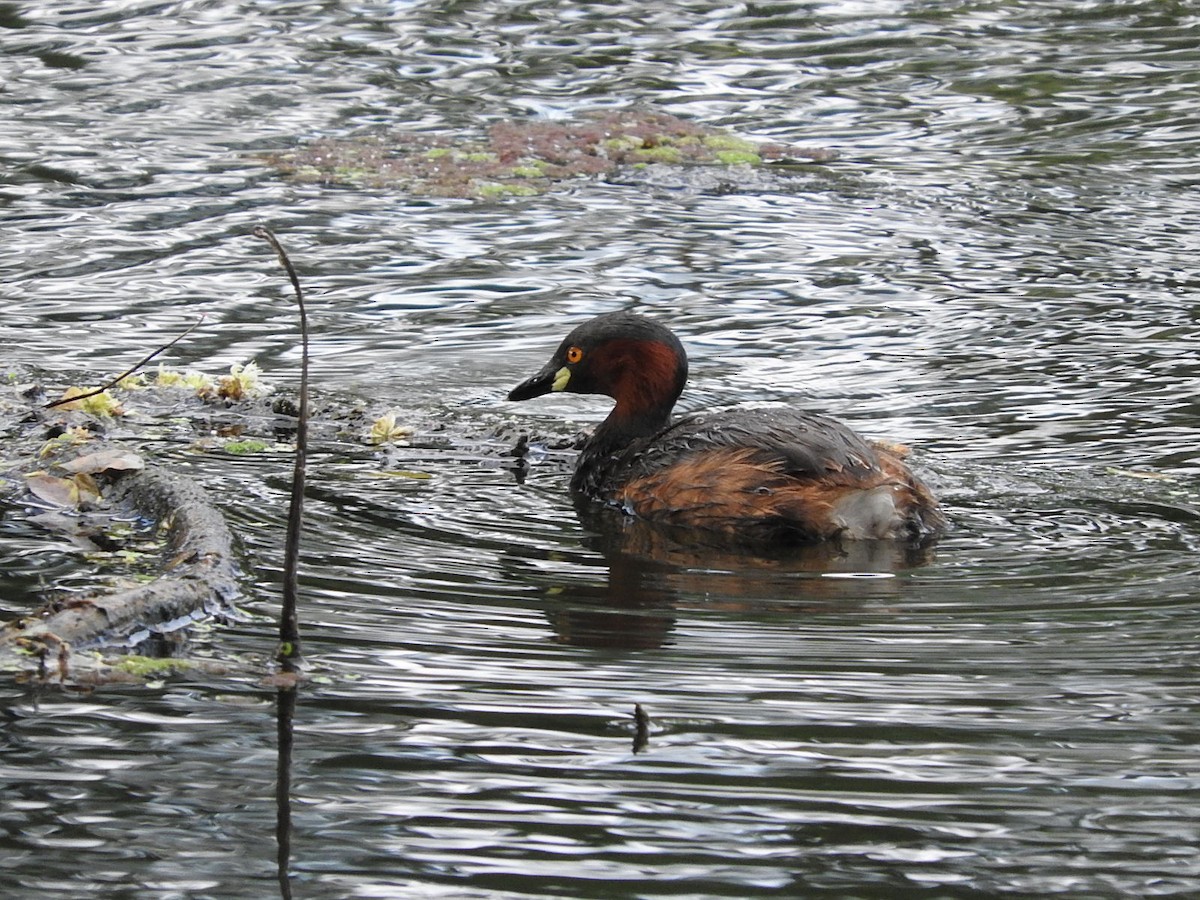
(198, 577)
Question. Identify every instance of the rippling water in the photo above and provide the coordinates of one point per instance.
(998, 270)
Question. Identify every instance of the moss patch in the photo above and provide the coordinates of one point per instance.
(520, 158)
(150, 667)
(738, 158)
(241, 448)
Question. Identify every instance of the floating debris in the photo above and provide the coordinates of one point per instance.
(524, 158)
(385, 430)
(101, 405)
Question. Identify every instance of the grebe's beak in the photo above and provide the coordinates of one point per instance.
(554, 377)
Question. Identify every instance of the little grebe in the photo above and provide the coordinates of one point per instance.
(758, 475)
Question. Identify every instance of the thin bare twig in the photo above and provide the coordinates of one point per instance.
(127, 372)
(289, 624)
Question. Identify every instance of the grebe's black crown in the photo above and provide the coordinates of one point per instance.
(623, 325)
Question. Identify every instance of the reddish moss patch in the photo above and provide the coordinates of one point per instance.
(519, 158)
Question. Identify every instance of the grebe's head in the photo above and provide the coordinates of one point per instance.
(633, 359)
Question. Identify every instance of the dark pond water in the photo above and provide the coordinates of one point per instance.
(1000, 270)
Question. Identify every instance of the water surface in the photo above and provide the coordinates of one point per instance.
(998, 270)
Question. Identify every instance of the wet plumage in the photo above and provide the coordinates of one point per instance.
(763, 475)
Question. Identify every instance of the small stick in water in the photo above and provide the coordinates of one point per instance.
(641, 724)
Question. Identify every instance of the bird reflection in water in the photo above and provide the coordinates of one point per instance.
(654, 572)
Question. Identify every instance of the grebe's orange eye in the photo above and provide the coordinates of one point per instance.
(574, 355)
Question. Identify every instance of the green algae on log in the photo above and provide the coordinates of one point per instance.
(523, 158)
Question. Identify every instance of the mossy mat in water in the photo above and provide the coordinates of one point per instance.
(528, 157)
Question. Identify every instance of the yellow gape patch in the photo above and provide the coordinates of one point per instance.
(561, 377)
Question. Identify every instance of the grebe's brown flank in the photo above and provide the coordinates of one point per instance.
(760, 475)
